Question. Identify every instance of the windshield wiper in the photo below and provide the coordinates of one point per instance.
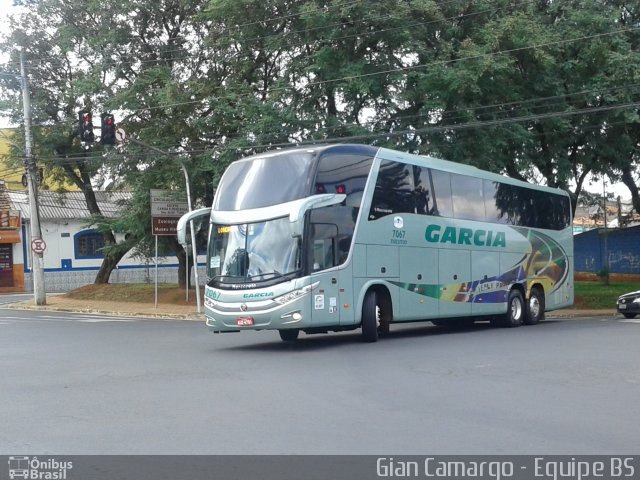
(275, 274)
(220, 278)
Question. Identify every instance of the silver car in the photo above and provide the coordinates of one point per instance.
(629, 304)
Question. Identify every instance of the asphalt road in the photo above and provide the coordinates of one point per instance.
(87, 384)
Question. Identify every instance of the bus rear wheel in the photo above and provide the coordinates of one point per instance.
(289, 335)
(370, 317)
(535, 307)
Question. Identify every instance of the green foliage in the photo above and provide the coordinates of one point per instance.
(543, 91)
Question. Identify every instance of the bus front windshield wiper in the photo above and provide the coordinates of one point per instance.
(222, 278)
(275, 274)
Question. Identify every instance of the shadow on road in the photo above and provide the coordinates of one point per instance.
(323, 341)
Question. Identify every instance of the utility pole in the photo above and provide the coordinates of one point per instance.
(37, 267)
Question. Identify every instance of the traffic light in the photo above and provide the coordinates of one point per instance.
(107, 129)
(86, 126)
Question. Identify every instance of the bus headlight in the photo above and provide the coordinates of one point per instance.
(209, 302)
(295, 294)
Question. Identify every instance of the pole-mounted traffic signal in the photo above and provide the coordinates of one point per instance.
(85, 125)
(107, 129)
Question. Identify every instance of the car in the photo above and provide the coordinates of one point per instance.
(629, 304)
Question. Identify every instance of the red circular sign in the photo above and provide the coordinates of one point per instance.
(38, 245)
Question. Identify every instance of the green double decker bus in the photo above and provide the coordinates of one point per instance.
(341, 237)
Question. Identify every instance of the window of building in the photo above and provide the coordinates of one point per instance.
(88, 244)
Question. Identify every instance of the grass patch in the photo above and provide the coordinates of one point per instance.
(595, 295)
(132, 292)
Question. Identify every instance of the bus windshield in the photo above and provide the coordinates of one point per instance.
(252, 253)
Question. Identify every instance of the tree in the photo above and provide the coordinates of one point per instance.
(543, 91)
(89, 56)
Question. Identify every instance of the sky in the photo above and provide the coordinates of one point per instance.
(593, 185)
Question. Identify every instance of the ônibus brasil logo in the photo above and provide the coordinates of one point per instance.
(38, 469)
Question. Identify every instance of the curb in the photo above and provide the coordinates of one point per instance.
(109, 313)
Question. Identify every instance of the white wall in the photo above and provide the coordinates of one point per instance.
(59, 236)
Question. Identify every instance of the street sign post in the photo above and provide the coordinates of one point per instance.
(166, 210)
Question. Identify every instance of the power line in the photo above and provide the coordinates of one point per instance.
(450, 115)
(386, 134)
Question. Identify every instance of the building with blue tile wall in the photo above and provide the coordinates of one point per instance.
(621, 246)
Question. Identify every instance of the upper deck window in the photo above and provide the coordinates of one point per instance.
(265, 180)
(343, 172)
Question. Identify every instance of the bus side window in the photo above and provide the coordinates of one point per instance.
(394, 190)
(442, 196)
(468, 199)
(324, 238)
(323, 254)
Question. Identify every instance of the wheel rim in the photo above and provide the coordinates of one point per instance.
(534, 306)
(516, 309)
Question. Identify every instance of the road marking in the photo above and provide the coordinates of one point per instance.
(77, 319)
(629, 321)
(104, 319)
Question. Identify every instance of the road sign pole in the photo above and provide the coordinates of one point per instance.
(193, 233)
(156, 290)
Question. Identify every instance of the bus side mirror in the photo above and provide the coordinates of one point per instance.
(185, 219)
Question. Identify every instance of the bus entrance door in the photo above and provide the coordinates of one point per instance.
(326, 298)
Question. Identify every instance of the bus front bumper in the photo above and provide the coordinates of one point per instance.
(292, 315)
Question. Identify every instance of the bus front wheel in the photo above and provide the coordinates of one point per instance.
(289, 335)
(370, 317)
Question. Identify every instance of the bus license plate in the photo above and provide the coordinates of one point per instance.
(244, 321)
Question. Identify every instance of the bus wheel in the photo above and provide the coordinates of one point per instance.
(370, 317)
(515, 310)
(289, 335)
(535, 307)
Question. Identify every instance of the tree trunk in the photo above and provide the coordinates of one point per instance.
(182, 263)
(109, 262)
(82, 179)
(627, 179)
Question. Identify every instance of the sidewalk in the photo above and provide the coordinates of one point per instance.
(61, 303)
